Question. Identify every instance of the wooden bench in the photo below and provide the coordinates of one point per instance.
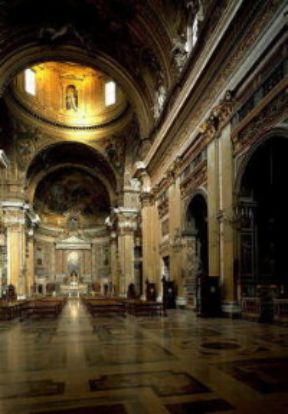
(104, 306)
(144, 308)
(11, 310)
(41, 309)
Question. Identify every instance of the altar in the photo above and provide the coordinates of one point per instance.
(74, 257)
(74, 290)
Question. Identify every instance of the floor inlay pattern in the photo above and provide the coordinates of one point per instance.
(150, 365)
(164, 383)
(264, 375)
(200, 407)
(98, 409)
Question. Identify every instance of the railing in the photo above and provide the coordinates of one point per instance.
(253, 307)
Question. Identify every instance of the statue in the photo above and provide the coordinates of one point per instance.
(160, 97)
(52, 34)
(71, 98)
(179, 51)
(73, 278)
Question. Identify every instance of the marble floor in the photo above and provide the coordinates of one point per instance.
(177, 364)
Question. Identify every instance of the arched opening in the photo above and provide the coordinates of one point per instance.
(71, 154)
(195, 238)
(71, 188)
(197, 225)
(263, 221)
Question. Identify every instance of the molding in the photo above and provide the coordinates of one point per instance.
(12, 100)
(181, 302)
(73, 243)
(231, 309)
(14, 205)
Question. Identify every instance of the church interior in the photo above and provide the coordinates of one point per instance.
(143, 216)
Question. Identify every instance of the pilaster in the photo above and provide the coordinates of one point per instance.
(14, 220)
(126, 227)
(226, 216)
(213, 208)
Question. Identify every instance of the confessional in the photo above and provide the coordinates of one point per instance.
(169, 294)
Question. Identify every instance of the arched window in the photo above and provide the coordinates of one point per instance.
(110, 93)
(30, 81)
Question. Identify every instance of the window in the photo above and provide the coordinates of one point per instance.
(110, 93)
(30, 81)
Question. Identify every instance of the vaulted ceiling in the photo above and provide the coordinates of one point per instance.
(131, 42)
(133, 39)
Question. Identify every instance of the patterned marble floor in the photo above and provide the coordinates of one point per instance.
(179, 364)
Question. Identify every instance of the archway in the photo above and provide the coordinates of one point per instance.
(71, 188)
(263, 221)
(195, 236)
(197, 225)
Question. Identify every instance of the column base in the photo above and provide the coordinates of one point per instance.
(231, 309)
(181, 302)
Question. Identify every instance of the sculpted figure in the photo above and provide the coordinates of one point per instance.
(160, 97)
(179, 51)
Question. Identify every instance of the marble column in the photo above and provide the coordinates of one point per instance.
(126, 227)
(114, 263)
(176, 265)
(93, 263)
(226, 219)
(14, 218)
(30, 265)
(213, 208)
(147, 235)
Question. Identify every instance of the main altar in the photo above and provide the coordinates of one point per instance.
(75, 280)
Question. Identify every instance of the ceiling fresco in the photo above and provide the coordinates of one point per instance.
(69, 194)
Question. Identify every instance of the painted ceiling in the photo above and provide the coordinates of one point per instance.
(69, 194)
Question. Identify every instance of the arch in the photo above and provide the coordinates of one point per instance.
(246, 158)
(41, 175)
(199, 191)
(196, 225)
(32, 55)
(37, 169)
(262, 219)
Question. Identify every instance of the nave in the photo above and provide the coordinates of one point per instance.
(114, 365)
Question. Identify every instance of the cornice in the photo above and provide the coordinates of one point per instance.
(13, 101)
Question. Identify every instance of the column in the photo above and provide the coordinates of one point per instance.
(155, 242)
(30, 265)
(213, 208)
(226, 223)
(176, 264)
(127, 225)
(14, 222)
(114, 263)
(93, 263)
(147, 235)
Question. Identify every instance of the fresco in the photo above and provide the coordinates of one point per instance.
(71, 197)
